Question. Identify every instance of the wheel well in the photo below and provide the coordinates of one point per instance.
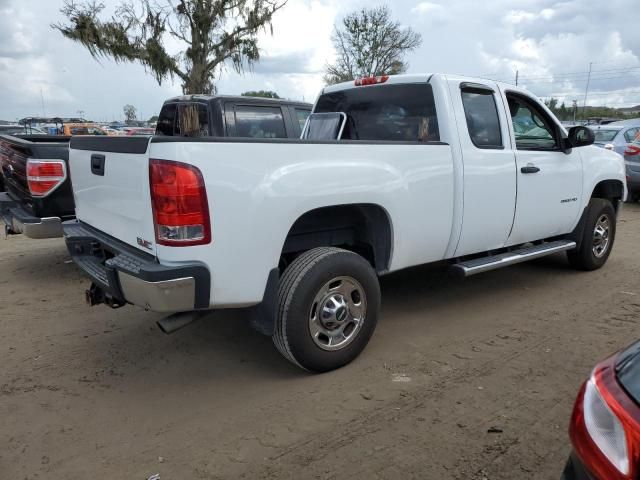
(611, 190)
(361, 228)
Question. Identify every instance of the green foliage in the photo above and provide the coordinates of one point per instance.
(153, 119)
(567, 113)
(213, 33)
(261, 94)
(370, 43)
(130, 113)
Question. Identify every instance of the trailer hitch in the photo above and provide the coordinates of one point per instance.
(96, 296)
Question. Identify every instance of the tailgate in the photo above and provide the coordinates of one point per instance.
(13, 167)
(110, 177)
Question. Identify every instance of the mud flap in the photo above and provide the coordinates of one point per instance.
(262, 317)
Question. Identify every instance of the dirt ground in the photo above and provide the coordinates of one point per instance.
(103, 394)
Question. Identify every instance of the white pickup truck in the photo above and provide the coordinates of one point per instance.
(427, 168)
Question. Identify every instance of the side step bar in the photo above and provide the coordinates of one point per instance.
(493, 262)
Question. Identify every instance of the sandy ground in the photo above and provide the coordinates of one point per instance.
(99, 393)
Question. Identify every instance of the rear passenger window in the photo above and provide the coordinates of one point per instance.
(481, 113)
(260, 122)
(631, 134)
(301, 116)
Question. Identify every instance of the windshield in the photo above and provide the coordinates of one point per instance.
(605, 135)
(398, 113)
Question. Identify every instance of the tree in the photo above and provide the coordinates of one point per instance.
(212, 33)
(130, 113)
(261, 94)
(153, 119)
(370, 43)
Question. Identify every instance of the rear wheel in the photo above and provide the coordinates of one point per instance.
(597, 239)
(328, 302)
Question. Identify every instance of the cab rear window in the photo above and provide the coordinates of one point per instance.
(183, 120)
(395, 113)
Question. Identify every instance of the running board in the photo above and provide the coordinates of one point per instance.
(493, 262)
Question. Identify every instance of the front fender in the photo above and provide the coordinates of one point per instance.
(600, 165)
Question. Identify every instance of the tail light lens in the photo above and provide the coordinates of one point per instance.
(605, 427)
(180, 206)
(44, 176)
(632, 150)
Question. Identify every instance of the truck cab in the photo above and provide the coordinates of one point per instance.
(225, 116)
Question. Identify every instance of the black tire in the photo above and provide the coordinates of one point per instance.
(584, 257)
(632, 197)
(299, 287)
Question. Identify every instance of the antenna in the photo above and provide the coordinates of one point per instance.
(586, 91)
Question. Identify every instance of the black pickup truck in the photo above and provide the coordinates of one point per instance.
(34, 174)
(34, 169)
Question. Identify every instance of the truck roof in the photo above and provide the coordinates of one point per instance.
(421, 78)
(217, 98)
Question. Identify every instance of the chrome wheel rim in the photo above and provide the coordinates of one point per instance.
(337, 313)
(601, 236)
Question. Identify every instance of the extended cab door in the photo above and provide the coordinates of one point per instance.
(549, 180)
(489, 168)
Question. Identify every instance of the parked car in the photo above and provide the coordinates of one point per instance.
(605, 425)
(616, 136)
(423, 168)
(38, 193)
(20, 130)
(140, 131)
(632, 165)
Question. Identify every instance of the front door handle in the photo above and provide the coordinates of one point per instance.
(530, 169)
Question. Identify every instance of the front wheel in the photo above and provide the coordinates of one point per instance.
(598, 236)
(328, 303)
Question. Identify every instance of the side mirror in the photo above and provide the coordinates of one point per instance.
(580, 137)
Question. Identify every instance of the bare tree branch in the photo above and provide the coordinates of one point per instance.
(370, 43)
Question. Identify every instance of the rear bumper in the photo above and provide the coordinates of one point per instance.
(633, 180)
(126, 275)
(18, 220)
(575, 470)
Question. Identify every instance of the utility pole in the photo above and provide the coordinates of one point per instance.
(42, 99)
(575, 110)
(586, 91)
(517, 74)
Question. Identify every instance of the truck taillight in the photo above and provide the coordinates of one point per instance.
(360, 82)
(44, 176)
(179, 201)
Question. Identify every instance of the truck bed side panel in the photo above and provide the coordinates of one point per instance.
(257, 190)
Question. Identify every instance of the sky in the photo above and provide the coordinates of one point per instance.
(549, 42)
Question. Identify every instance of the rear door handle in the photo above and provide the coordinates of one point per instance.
(97, 165)
(530, 169)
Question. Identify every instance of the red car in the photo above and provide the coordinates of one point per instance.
(605, 425)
